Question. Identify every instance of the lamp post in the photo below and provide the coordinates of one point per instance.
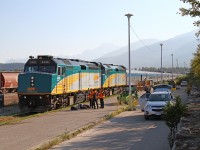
(184, 68)
(172, 66)
(177, 66)
(161, 64)
(129, 55)
(129, 52)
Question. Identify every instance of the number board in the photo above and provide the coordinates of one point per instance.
(32, 62)
(45, 62)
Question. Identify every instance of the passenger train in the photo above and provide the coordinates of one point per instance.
(50, 83)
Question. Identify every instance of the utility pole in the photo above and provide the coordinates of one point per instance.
(129, 55)
(172, 66)
(161, 64)
(177, 66)
(184, 68)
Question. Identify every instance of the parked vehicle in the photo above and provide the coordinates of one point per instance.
(143, 100)
(184, 83)
(165, 86)
(161, 89)
(156, 103)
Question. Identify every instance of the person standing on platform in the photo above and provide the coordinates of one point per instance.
(90, 96)
(101, 97)
(95, 97)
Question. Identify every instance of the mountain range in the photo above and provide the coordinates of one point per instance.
(144, 53)
(182, 47)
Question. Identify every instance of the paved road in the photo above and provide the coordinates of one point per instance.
(181, 91)
(127, 131)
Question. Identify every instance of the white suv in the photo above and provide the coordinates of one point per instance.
(156, 103)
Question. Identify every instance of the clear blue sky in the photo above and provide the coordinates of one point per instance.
(66, 27)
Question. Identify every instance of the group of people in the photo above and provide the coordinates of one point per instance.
(94, 95)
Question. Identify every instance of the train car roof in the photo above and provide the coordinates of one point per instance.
(138, 73)
(106, 66)
(59, 61)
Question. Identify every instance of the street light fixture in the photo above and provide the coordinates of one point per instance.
(161, 64)
(129, 55)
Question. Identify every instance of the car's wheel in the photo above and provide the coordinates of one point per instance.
(146, 117)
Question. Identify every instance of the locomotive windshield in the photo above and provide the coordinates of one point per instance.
(42, 65)
(48, 69)
(30, 68)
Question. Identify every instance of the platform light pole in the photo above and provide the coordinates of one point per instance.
(184, 68)
(129, 56)
(177, 66)
(172, 66)
(161, 64)
(129, 52)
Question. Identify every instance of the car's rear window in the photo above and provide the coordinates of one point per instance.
(159, 97)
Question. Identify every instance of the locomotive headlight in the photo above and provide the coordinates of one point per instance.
(24, 97)
(40, 97)
(32, 81)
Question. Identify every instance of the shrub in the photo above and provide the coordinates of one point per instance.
(172, 116)
(174, 112)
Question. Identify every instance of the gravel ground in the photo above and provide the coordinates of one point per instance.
(10, 105)
(188, 137)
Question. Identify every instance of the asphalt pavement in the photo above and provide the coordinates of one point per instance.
(127, 131)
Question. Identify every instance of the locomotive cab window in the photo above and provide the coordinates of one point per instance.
(30, 68)
(48, 69)
(61, 70)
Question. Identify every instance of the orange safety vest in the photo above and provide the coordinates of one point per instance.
(90, 95)
(101, 95)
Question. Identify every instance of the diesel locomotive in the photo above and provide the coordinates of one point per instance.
(50, 83)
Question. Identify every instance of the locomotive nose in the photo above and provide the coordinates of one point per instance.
(34, 83)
